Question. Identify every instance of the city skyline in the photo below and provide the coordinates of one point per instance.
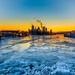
(54, 14)
(24, 27)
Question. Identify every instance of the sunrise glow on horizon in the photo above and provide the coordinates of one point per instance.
(58, 15)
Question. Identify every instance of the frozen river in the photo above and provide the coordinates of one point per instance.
(37, 55)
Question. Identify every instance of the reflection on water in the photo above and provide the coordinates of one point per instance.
(37, 55)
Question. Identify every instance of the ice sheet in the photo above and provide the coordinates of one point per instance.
(37, 55)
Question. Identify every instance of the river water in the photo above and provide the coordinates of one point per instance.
(37, 55)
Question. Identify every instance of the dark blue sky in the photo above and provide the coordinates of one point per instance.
(56, 14)
(51, 9)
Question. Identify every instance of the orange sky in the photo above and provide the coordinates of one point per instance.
(20, 14)
(26, 27)
(55, 26)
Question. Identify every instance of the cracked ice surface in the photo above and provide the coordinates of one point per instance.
(37, 55)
